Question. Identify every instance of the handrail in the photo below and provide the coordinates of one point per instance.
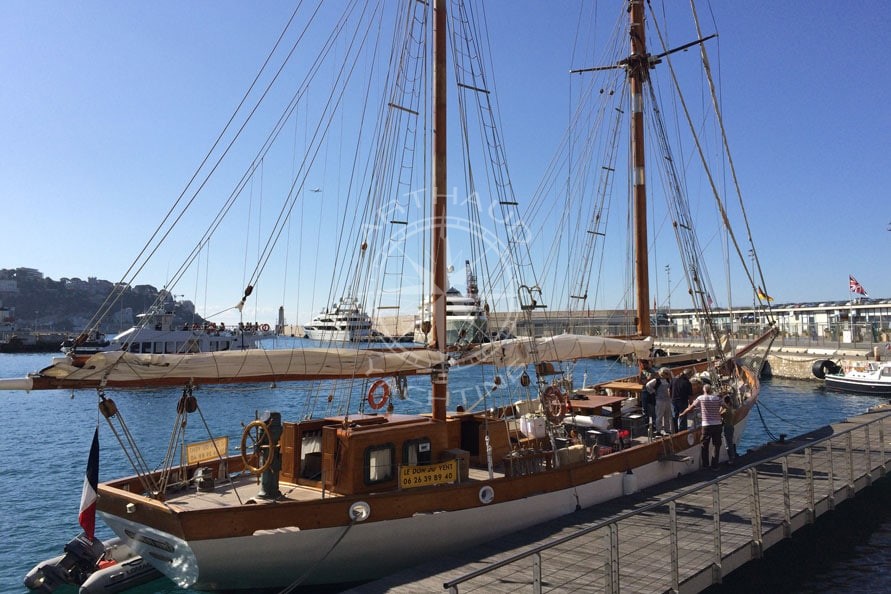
(452, 585)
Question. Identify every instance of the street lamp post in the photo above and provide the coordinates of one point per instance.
(668, 277)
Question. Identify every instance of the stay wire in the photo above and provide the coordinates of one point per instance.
(764, 422)
(118, 292)
(291, 587)
(109, 409)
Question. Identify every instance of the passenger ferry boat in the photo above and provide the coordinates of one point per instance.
(157, 333)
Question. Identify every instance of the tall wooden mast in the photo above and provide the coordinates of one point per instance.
(439, 195)
(637, 68)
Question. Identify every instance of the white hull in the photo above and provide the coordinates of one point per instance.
(337, 335)
(182, 341)
(873, 378)
(467, 329)
(346, 321)
(859, 385)
(337, 555)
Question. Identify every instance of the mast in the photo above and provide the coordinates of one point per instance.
(638, 64)
(439, 195)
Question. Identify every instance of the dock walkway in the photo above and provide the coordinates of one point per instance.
(682, 536)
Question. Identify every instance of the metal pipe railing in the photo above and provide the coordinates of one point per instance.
(612, 563)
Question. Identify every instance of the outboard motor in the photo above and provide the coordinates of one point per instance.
(268, 446)
(74, 567)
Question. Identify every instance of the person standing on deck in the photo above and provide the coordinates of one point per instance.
(727, 410)
(648, 399)
(660, 387)
(710, 406)
(681, 390)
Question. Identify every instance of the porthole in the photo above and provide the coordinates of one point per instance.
(360, 511)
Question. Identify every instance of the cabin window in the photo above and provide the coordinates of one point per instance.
(146, 347)
(379, 463)
(416, 451)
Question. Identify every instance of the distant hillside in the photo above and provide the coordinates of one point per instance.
(68, 304)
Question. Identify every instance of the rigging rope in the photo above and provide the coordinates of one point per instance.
(718, 199)
(128, 278)
(109, 410)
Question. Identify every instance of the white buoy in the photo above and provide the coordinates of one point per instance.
(629, 483)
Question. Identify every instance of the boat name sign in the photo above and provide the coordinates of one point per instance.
(431, 474)
(212, 449)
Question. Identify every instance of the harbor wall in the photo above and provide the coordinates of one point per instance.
(796, 362)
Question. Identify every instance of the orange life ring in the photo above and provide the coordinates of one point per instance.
(554, 403)
(383, 388)
(265, 327)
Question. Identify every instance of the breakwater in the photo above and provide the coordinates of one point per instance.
(795, 362)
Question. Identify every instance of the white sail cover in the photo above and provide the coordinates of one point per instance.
(252, 365)
(564, 347)
(119, 368)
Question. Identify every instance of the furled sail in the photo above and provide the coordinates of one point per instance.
(123, 369)
(563, 347)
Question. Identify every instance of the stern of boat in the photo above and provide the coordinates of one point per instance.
(167, 553)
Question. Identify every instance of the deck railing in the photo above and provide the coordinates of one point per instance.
(702, 533)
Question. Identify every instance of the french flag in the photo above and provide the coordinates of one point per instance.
(87, 516)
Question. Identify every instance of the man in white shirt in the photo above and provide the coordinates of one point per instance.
(659, 389)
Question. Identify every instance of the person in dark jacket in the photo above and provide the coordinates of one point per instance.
(681, 390)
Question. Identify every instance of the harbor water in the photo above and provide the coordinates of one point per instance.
(46, 439)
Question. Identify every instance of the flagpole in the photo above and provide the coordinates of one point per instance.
(852, 291)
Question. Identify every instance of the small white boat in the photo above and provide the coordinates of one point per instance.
(872, 377)
(95, 567)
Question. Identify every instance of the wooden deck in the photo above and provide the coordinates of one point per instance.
(670, 538)
(246, 487)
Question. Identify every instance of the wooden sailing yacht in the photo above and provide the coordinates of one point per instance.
(350, 497)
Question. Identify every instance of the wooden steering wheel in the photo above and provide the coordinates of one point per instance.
(256, 431)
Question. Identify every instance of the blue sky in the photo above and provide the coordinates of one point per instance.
(107, 108)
